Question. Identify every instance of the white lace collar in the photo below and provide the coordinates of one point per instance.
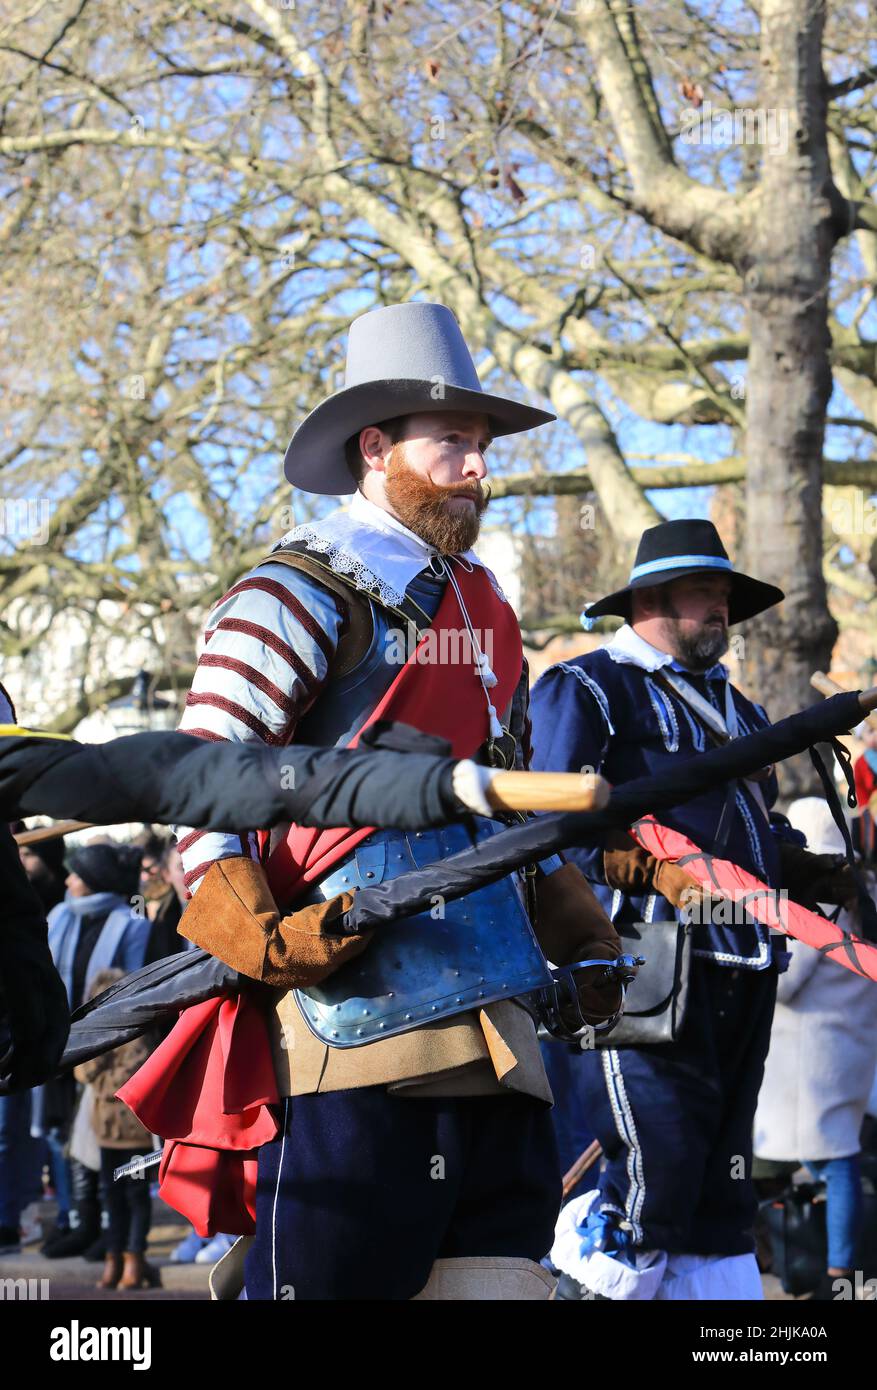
(369, 544)
(628, 648)
(370, 514)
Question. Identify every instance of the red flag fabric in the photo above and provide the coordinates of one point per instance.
(768, 905)
(207, 1090)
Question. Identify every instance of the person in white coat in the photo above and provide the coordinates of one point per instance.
(820, 1066)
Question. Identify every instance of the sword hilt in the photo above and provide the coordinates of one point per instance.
(137, 1167)
(562, 996)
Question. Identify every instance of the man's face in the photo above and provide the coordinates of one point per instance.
(432, 478)
(688, 618)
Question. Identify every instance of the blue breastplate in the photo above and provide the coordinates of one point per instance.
(459, 955)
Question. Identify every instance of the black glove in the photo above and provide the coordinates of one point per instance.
(816, 878)
(34, 1016)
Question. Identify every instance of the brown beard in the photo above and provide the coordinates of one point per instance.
(698, 650)
(421, 505)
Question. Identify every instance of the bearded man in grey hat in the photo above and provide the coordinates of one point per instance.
(414, 1155)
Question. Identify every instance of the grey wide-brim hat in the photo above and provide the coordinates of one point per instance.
(401, 359)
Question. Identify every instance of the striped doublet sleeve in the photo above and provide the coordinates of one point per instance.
(267, 648)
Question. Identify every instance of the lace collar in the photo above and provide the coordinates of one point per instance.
(367, 544)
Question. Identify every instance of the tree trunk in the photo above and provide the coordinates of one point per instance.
(787, 268)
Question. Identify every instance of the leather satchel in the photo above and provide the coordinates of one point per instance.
(655, 1008)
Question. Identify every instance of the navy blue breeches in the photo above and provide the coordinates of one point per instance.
(362, 1191)
(675, 1121)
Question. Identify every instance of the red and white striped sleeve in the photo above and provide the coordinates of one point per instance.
(267, 648)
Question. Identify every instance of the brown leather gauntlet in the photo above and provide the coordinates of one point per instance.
(233, 915)
(571, 925)
(632, 870)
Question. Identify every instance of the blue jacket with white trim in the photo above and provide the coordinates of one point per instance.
(611, 715)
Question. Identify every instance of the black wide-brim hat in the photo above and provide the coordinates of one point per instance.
(675, 550)
(402, 359)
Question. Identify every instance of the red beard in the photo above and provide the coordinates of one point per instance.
(422, 506)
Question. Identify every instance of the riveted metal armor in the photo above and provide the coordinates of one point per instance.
(457, 956)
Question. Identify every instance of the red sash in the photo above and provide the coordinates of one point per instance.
(209, 1089)
(726, 880)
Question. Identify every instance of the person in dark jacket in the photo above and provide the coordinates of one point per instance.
(34, 1016)
(94, 929)
(121, 1138)
(34, 1020)
(43, 862)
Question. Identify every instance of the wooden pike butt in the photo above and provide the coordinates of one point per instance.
(867, 698)
(548, 791)
(586, 1160)
(52, 832)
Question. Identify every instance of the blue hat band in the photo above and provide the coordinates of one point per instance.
(680, 562)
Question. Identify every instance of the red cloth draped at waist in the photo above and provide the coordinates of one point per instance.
(209, 1089)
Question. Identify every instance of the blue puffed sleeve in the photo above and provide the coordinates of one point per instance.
(571, 723)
